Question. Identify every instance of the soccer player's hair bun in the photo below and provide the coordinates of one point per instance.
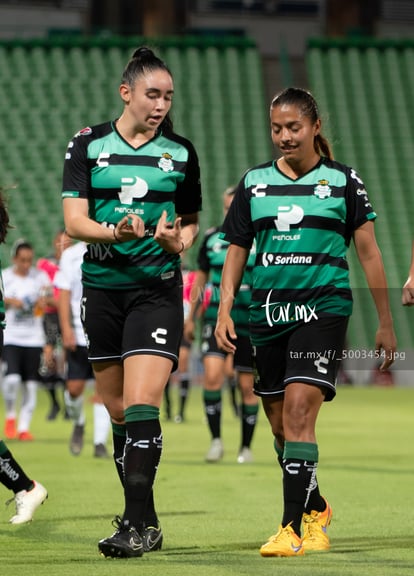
(143, 52)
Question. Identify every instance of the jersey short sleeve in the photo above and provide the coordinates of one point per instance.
(237, 227)
(203, 259)
(359, 207)
(188, 193)
(76, 171)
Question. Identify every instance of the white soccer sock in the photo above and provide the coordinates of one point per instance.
(101, 424)
(11, 384)
(29, 401)
(74, 407)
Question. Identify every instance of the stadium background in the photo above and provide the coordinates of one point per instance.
(60, 64)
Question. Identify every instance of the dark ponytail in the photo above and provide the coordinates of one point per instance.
(4, 218)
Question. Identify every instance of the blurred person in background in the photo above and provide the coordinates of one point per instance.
(302, 210)
(27, 292)
(28, 494)
(131, 190)
(408, 288)
(211, 258)
(51, 368)
(79, 371)
(182, 376)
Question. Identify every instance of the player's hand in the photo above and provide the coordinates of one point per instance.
(129, 228)
(386, 346)
(68, 339)
(189, 329)
(168, 234)
(408, 293)
(225, 332)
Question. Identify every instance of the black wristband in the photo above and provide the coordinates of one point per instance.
(117, 240)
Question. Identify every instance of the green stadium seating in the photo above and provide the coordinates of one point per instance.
(65, 84)
(365, 89)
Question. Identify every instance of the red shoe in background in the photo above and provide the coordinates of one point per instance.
(25, 436)
(10, 431)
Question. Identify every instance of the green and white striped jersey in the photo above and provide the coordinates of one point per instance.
(211, 257)
(302, 229)
(118, 179)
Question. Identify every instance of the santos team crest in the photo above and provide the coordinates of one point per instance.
(166, 163)
(322, 189)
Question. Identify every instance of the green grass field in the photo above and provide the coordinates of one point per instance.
(216, 516)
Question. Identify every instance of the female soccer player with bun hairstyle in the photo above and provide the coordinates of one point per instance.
(302, 209)
(131, 190)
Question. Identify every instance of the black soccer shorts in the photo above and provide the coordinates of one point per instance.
(22, 360)
(78, 366)
(310, 353)
(243, 356)
(122, 323)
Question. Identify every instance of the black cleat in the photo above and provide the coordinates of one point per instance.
(152, 538)
(100, 451)
(125, 542)
(76, 440)
(54, 411)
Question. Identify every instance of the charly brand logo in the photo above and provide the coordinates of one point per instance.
(102, 160)
(322, 189)
(321, 364)
(218, 247)
(165, 162)
(287, 216)
(143, 444)
(159, 334)
(361, 191)
(355, 176)
(132, 188)
(293, 468)
(278, 313)
(259, 190)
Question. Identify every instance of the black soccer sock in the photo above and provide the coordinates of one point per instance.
(184, 388)
(52, 393)
(212, 408)
(248, 422)
(150, 515)
(232, 384)
(11, 474)
(315, 500)
(141, 458)
(279, 452)
(299, 473)
(167, 400)
(119, 439)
